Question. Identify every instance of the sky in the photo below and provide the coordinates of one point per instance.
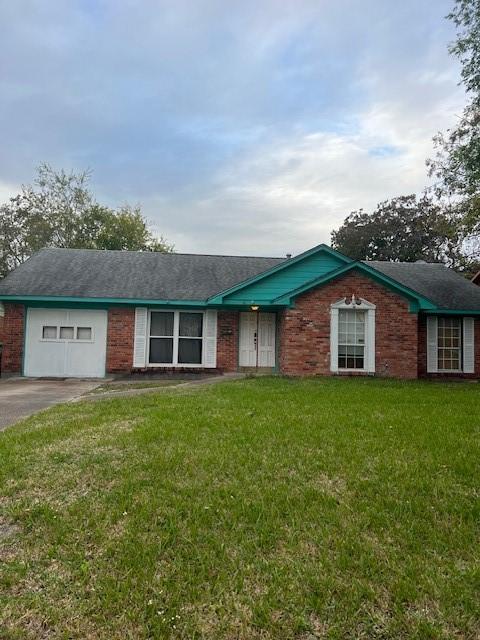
(250, 127)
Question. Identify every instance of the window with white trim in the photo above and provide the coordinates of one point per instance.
(449, 344)
(66, 334)
(351, 339)
(176, 338)
(352, 335)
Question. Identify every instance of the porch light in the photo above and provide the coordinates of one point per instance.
(254, 307)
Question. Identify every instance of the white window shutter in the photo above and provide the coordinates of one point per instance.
(140, 338)
(370, 346)
(432, 344)
(210, 339)
(468, 345)
(334, 340)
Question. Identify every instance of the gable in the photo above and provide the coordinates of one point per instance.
(416, 300)
(290, 275)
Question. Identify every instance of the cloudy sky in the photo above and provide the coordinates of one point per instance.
(249, 127)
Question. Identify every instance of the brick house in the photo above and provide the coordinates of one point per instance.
(83, 313)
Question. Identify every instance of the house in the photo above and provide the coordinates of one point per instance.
(74, 312)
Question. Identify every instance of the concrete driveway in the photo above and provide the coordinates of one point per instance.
(20, 397)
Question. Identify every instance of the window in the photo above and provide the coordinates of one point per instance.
(49, 333)
(352, 335)
(190, 338)
(161, 337)
(351, 339)
(84, 333)
(449, 349)
(176, 337)
(66, 333)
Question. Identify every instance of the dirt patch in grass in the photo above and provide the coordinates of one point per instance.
(117, 387)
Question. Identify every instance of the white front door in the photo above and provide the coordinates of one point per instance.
(257, 339)
(65, 343)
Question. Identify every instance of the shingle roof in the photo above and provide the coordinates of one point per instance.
(89, 273)
(443, 286)
(136, 275)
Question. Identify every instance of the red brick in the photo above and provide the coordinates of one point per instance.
(422, 354)
(304, 331)
(13, 328)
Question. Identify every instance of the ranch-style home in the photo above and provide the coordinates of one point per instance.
(74, 312)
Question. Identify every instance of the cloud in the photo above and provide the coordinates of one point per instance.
(242, 127)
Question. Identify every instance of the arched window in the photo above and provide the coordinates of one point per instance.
(352, 335)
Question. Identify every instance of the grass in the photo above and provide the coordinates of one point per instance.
(263, 509)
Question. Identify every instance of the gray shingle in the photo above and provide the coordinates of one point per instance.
(176, 276)
(441, 285)
(130, 274)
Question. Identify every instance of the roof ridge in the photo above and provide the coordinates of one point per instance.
(418, 262)
(165, 253)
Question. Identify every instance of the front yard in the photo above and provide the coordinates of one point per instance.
(264, 508)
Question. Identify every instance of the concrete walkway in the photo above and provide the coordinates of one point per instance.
(20, 397)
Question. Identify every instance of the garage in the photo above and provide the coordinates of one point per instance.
(65, 343)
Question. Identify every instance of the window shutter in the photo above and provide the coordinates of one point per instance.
(140, 338)
(432, 344)
(334, 340)
(468, 345)
(370, 346)
(210, 339)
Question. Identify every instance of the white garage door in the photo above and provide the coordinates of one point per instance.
(65, 343)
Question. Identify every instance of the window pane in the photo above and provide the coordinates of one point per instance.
(84, 333)
(66, 333)
(49, 333)
(449, 344)
(189, 351)
(161, 324)
(351, 339)
(191, 324)
(161, 350)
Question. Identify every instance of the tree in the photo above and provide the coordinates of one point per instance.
(58, 210)
(456, 164)
(124, 229)
(406, 228)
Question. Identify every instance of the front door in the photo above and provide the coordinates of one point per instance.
(257, 339)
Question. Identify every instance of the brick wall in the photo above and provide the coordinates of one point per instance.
(13, 325)
(120, 337)
(422, 353)
(304, 331)
(120, 333)
(227, 340)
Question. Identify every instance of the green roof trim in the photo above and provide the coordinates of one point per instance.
(452, 312)
(107, 301)
(417, 301)
(218, 298)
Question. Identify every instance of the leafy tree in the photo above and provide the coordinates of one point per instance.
(406, 228)
(58, 210)
(456, 164)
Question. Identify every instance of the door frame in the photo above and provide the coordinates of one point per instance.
(275, 337)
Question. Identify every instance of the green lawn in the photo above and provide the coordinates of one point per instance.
(261, 509)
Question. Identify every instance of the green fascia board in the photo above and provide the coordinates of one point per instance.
(62, 300)
(417, 301)
(453, 312)
(218, 298)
